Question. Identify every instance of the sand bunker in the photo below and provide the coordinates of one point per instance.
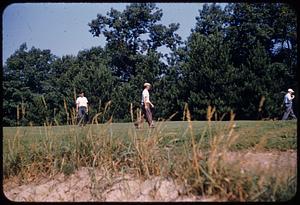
(88, 184)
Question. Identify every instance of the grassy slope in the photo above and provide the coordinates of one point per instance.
(186, 151)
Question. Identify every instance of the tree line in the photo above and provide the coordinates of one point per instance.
(236, 58)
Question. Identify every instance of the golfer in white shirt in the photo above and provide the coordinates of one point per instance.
(288, 104)
(147, 104)
(82, 107)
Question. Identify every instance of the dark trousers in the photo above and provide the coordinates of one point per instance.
(288, 111)
(82, 115)
(146, 111)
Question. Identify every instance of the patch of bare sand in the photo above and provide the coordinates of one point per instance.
(87, 184)
(263, 161)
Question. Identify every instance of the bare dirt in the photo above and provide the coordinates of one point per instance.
(88, 184)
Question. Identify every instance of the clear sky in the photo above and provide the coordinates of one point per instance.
(63, 27)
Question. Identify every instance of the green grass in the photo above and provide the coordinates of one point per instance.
(184, 150)
(280, 135)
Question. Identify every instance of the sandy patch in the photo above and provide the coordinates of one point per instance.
(87, 184)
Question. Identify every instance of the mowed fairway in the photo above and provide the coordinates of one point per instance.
(204, 156)
(279, 134)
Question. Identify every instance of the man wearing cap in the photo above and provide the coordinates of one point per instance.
(288, 98)
(82, 107)
(146, 103)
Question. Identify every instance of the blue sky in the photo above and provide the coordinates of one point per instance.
(63, 27)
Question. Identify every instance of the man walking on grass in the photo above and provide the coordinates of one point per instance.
(147, 105)
(288, 104)
(82, 108)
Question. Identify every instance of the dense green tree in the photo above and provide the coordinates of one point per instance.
(87, 72)
(133, 38)
(211, 19)
(240, 63)
(24, 83)
(262, 38)
(132, 32)
(236, 57)
(209, 75)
